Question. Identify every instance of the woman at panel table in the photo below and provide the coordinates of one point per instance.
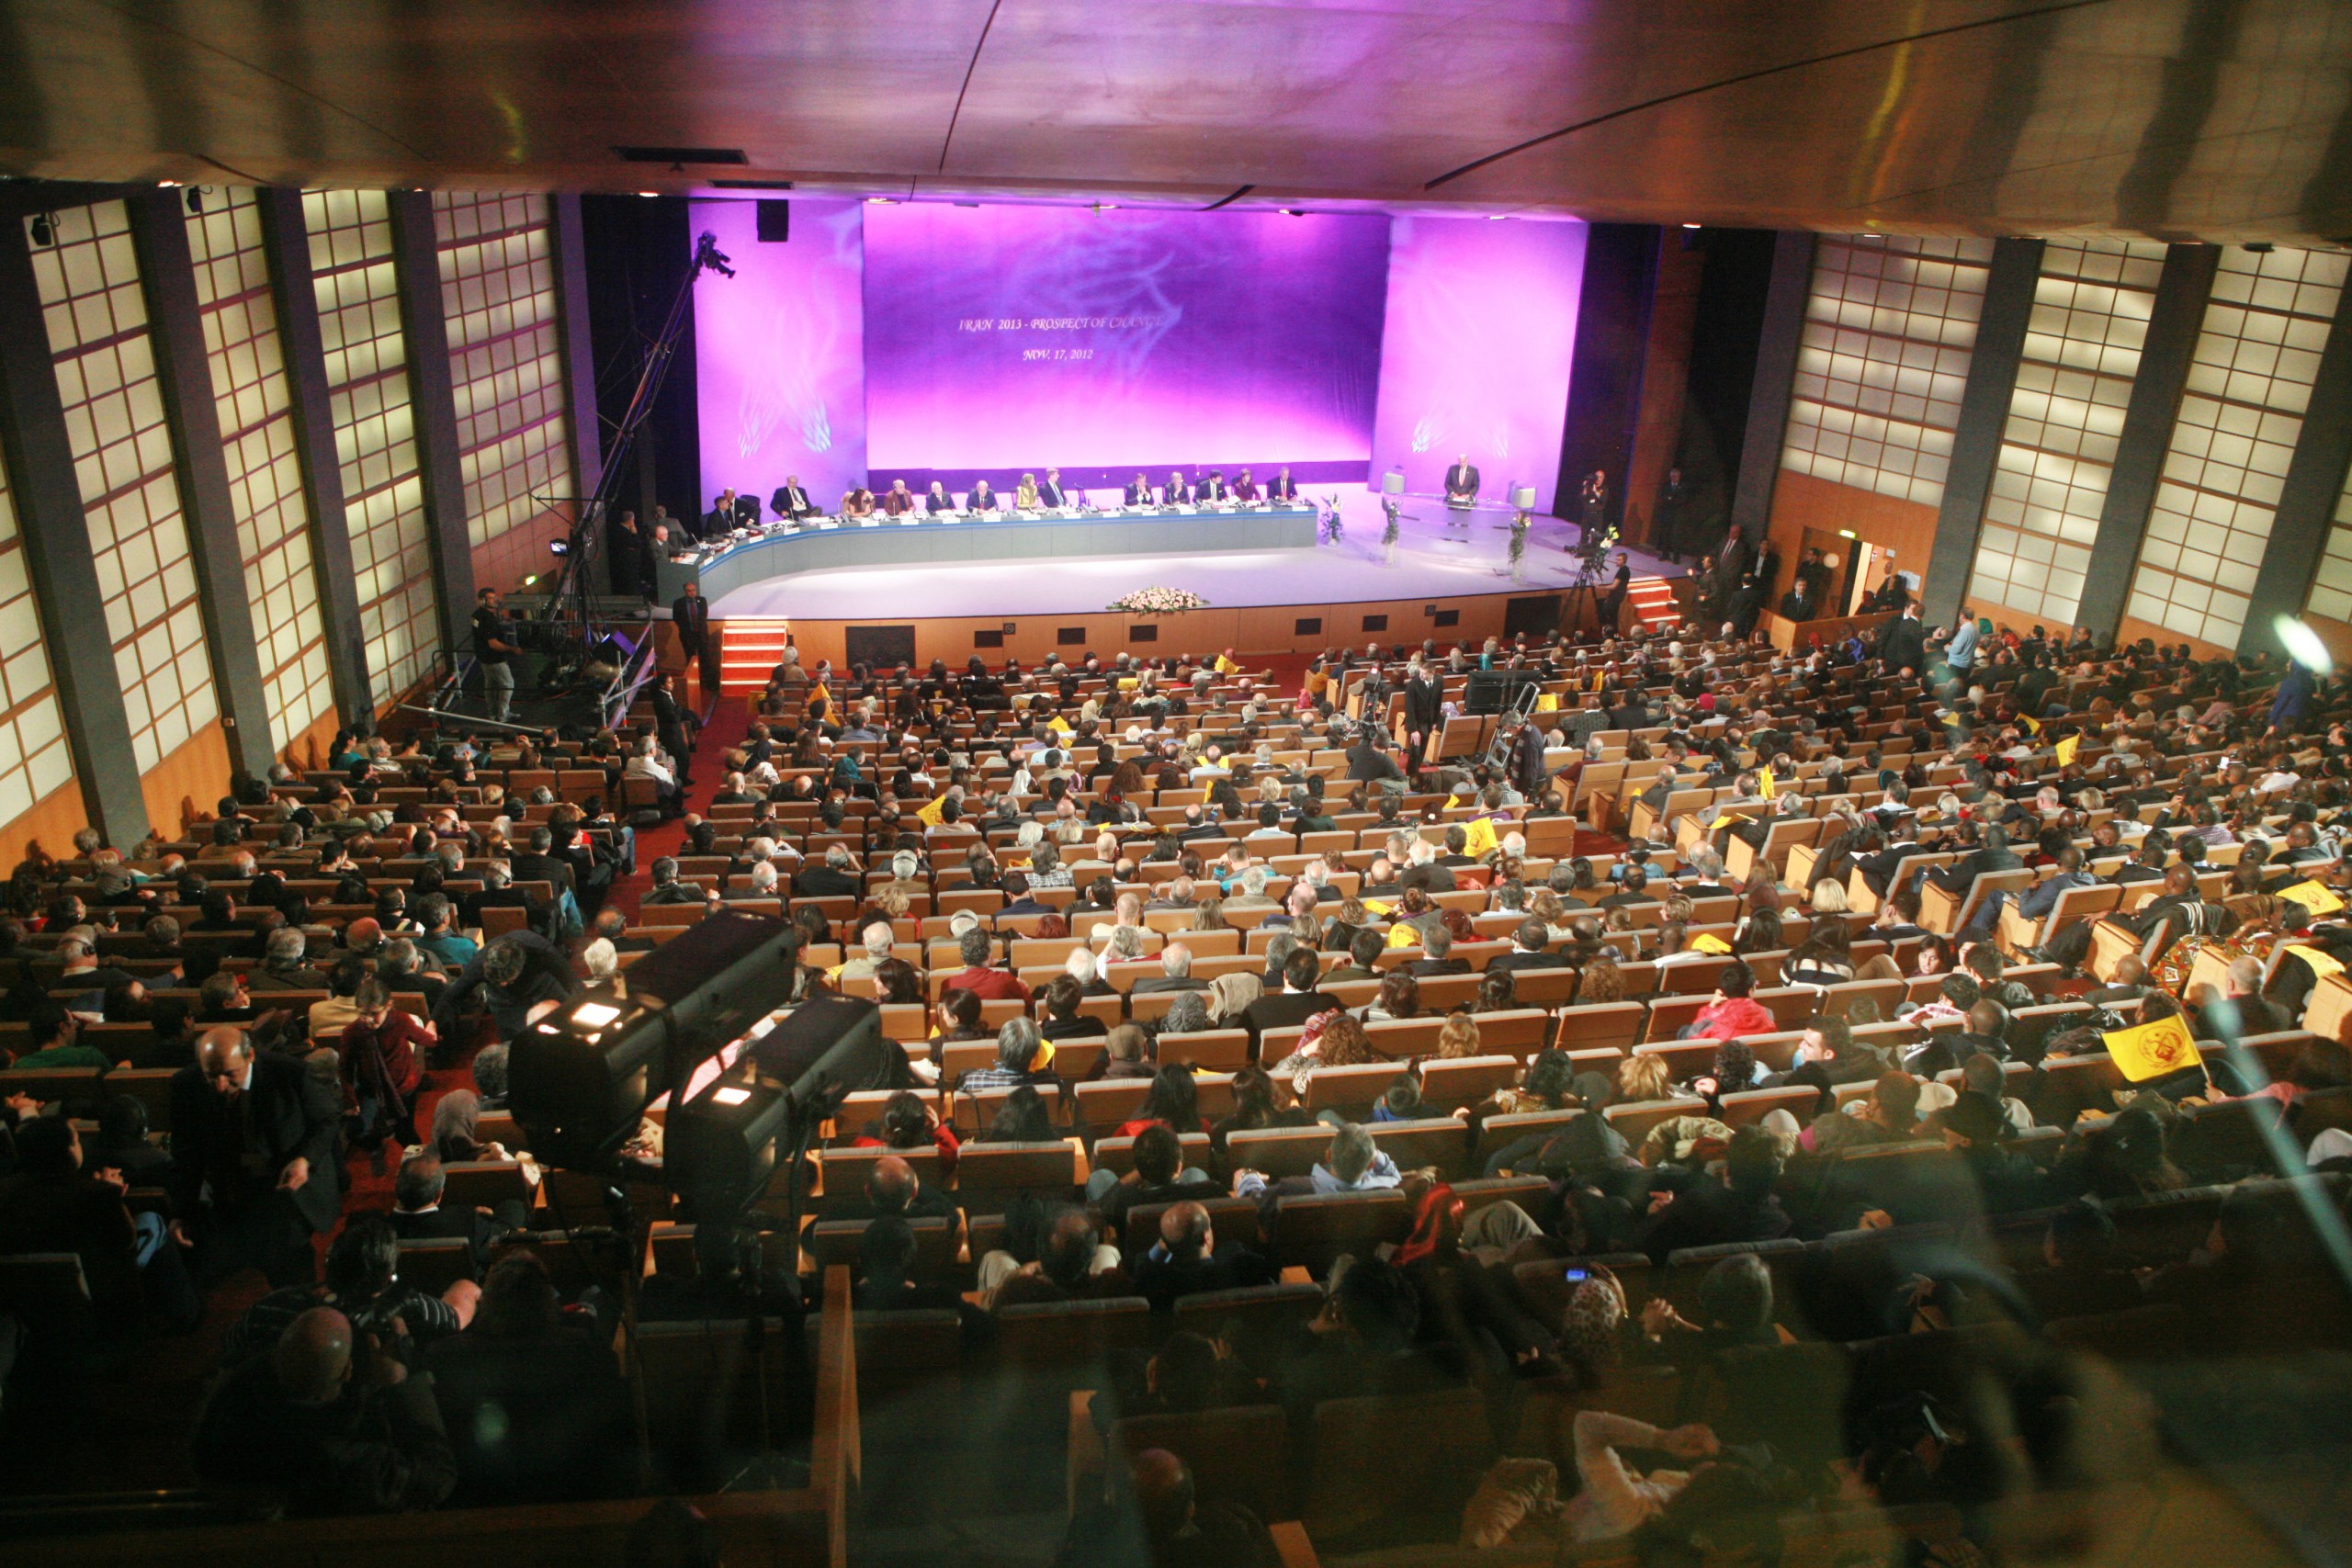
(1024, 494)
(858, 501)
(938, 499)
(896, 501)
(1245, 488)
(1282, 486)
(982, 499)
(1138, 491)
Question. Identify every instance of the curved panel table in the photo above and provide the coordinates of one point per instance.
(930, 542)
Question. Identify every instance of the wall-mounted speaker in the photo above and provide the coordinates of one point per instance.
(775, 222)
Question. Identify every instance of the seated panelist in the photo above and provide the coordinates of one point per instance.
(1176, 492)
(1245, 488)
(1024, 494)
(982, 499)
(1282, 486)
(1213, 488)
(1051, 492)
(858, 501)
(898, 500)
(938, 501)
(1137, 493)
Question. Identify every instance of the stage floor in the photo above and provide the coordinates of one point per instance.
(1433, 558)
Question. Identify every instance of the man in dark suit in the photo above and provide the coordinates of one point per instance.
(1527, 950)
(631, 556)
(254, 1171)
(1051, 493)
(791, 501)
(1993, 856)
(1369, 762)
(690, 612)
(540, 864)
(828, 878)
(1281, 488)
(1176, 492)
(1185, 1261)
(1902, 642)
(418, 1213)
(1137, 493)
(1461, 483)
(1424, 706)
(1213, 488)
(1176, 972)
(1299, 1000)
(1437, 947)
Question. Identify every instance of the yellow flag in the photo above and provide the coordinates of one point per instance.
(1726, 819)
(1708, 941)
(1403, 936)
(1547, 702)
(1377, 907)
(1129, 683)
(2313, 896)
(2152, 1050)
(2033, 725)
(1766, 783)
(2064, 751)
(1226, 666)
(2322, 963)
(1208, 793)
(1059, 725)
(1478, 836)
(932, 811)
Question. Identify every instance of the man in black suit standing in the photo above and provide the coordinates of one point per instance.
(253, 1173)
(791, 501)
(690, 612)
(1051, 493)
(1424, 708)
(631, 555)
(1620, 586)
(1903, 643)
(1461, 484)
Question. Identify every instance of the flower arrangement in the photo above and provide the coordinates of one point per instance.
(1332, 529)
(1159, 601)
(1518, 536)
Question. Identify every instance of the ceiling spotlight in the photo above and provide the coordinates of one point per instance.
(43, 229)
(1497, 216)
(649, 193)
(168, 184)
(196, 198)
(1290, 212)
(879, 201)
(1689, 225)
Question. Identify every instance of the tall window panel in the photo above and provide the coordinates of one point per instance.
(2091, 307)
(2331, 593)
(249, 389)
(1890, 326)
(34, 759)
(88, 277)
(505, 356)
(375, 434)
(2240, 416)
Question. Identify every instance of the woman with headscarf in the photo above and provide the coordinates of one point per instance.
(455, 1121)
(1229, 997)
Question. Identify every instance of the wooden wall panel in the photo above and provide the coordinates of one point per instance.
(503, 561)
(50, 825)
(189, 779)
(1801, 501)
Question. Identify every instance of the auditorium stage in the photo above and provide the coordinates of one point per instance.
(1434, 560)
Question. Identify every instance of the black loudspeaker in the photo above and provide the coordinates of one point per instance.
(775, 222)
(1490, 690)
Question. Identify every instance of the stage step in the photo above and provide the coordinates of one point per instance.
(1652, 600)
(748, 648)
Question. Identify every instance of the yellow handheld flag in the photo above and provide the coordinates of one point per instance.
(1129, 683)
(1478, 836)
(1547, 702)
(1208, 793)
(2152, 1050)
(1404, 934)
(1226, 666)
(2033, 725)
(2064, 751)
(1377, 907)
(2322, 963)
(2313, 896)
(933, 811)
(1764, 782)
(1727, 820)
(1059, 725)
(1708, 941)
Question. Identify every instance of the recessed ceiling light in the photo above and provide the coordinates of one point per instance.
(877, 202)
(168, 184)
(1497, 216)
(649, 193)
(1689, 225)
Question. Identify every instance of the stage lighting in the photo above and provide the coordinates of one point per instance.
(1392, 482)
(196, 198)
(1522, 497)
(44, 230)
(559, 546)
(581, 1077)
(720, 1146)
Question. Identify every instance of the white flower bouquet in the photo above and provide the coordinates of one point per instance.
(1159, 601)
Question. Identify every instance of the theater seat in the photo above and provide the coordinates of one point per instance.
(1236, 1455)
(1367, 1487)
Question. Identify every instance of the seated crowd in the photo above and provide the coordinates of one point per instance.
(1734, 1004)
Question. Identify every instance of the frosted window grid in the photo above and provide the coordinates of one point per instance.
(99, 347)
(34, 759)
(375, 436)
(250, 391)
(2240, 414)
(1889, 329)
(2091, 306)
(498, 294)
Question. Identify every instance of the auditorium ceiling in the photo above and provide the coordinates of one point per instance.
(2178, 118)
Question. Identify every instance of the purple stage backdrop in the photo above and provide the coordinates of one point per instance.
(780, 352)
(1482, 327)
(1001, 339)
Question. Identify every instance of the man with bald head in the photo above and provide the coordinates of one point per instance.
(1185, 1261)
(1158, 1519)
(254, 1175)
(326, 1424)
